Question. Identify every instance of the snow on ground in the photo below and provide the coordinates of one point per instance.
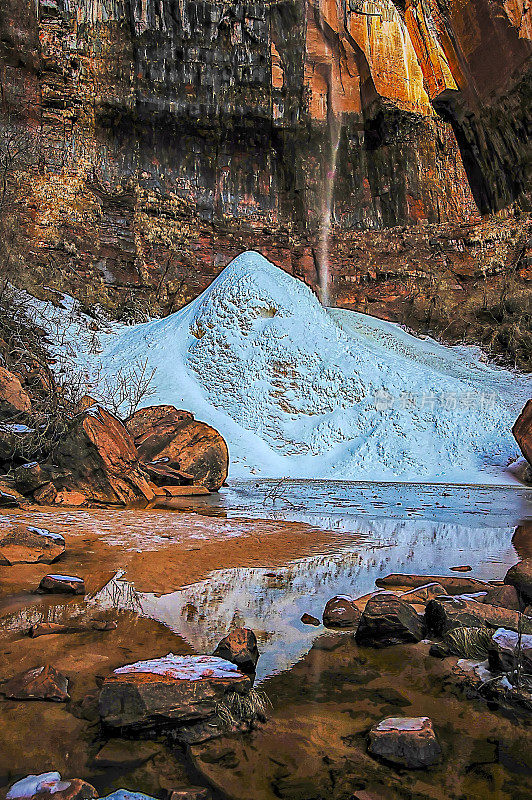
(302, 391)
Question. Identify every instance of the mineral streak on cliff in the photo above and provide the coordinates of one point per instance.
(173, 134)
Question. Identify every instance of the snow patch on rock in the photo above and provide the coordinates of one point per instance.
(189, 668)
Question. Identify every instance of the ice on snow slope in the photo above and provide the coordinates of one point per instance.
(302, 391)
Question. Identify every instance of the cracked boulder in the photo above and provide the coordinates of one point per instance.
(173, 439)
(389, 620)
(406, 741)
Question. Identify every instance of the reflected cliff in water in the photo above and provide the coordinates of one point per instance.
(271, 601)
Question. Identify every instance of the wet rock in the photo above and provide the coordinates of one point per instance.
(172, 689)
(444, 613)
(423, 593)
(42, 683)
(175, 439)
(504, 651)
(308, 619)
(451, 583)
(30, 476)
(9, 497)
(125, 753)
(407, 741)
(388, 620)
(462, 568)
(341, 612)
(520, 576)
(191, 793)
(522, 431)
(438, 650)
(240, 648)
(29, 545)
(99, 460)
(51, 628)
(62, 584)
(48, 786)
(503, 596)
(13, 398)
(46, 494)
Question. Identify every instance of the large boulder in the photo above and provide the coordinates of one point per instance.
(505, 650)
(407, 741)
(444, 613)
(520, 576)
(50, 786)
(29, 545)
(100, 460)
(503, 596)
(42, 683)
(240, 648)
(172, 690)
(14, 400)
(175, 439)
(17, 441)
(388, 620)
(341, 612)
(522, 430)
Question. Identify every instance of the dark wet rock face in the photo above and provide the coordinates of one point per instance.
(42, 683)
(406, 741)
(522, 430)
(341, 612)
(28, 545)
(172, 438)
(504, 596)
(388, 620)
(240, 648)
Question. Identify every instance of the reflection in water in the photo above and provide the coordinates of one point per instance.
(272, 602)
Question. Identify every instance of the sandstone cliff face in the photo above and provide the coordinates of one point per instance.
(172, 134)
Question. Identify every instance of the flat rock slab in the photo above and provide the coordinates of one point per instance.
(49, 785)
(341, 612)
(452, 584)
(30, 545)
(62, 584)
(389, 620)
(172, 689)
(423, 593)
(191, 793)
(407, 741)
(42, 683)
(125, 753)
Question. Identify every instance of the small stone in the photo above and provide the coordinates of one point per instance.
(240, 648)
(341, 612)
(407, 741)
(50, 786)
(308, 619)
(191, 793)
(461, 568)
(62, 584)
(438, 650)
(42, 683)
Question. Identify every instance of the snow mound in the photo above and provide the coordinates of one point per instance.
(299, 390)
(189, 668)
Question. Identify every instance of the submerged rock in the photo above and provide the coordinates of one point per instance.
(29, 545)
(191, 793)
(388, 620)
(170, 690)
(520, 576)
(125, 753)
(407, 741)
(42, 683)
(62, 584)
(240, 648)
(341, 612)
(175, 439)
(49, 785)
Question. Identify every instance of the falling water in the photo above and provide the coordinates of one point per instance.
(334, 123)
